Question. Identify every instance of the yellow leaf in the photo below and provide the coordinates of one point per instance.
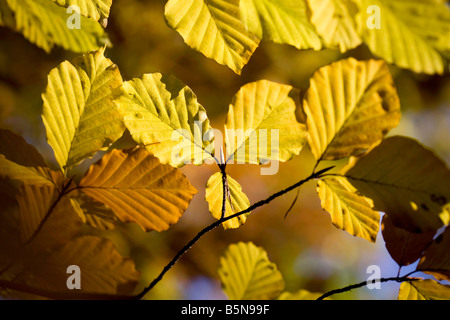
(163, 115)
(349, 211)
(247, 273)
(214, 28)
(96, 9)
(239, 201)
(350, 106)
(280, 21)
(411, 34)
(138, 188)
(299, 295)
(406, 181)
(334, 22)
(423, 290)
(45, 24)
(261, 124)
(79, 114)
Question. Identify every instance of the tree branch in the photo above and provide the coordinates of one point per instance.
(224, 219)
(365, 283)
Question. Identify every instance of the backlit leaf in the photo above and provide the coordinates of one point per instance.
(214, 28)
(163, 115)
(404, 247)
(412, 34)
(406, 181)
(44, 23)
(138, 188)
(423, 290)
(350, 105)
(436, 258)
(247, 273)
(103, 269)
(300, 295)
(280, 21)
(96, 9)
(349, 211)
(261, 125)
(334, 22)
(79, 114)
(239, 201)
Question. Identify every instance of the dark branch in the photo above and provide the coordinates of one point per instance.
(224, 219)
(365, 283)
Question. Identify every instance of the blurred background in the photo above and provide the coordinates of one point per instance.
(309, 251)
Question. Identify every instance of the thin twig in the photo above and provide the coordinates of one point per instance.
(224, 219)
(365, 283)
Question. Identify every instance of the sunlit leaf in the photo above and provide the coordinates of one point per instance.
(436, 258)
(406, 181)
(96, 9)
(239, 201)
(163, 115)
(214, 28)
(261, 125)
(280, 21)
(44, 23)
(350, 105)
(349, 211)
(138, 188)
(412, 34)
(423, 290)
(334, 22)
(79, 113)
(299, 295)
(404, 247)
(247, 273)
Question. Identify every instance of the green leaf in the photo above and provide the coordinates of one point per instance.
(247, 274)
(96, 9)
(137, 188)
(239, 201)
(406, 181)
(214, 28)
(423, 290)
(261, 124)
(404, 247)
(79, 113)
(44, 23)
(300, 295)
(350, 106)
(349, 211)
(163, 115)
(334, 22)
(413, 34)
(436, 258)
(280, 21)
